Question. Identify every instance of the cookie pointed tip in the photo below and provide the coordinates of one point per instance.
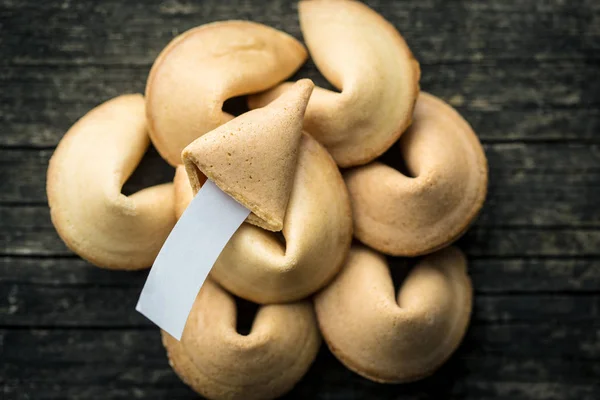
(297, 96)
(305, 84)
(305, 88)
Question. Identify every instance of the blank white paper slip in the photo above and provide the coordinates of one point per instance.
(187, 256)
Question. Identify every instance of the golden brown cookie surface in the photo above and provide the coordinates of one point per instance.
(389, 337)
(219, 363)
(265, 267)
(411, 215)
(85, 177)
(253, 157)
(201, 68)
(290, 183)
(364, 57)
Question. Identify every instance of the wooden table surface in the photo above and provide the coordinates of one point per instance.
(524, 73)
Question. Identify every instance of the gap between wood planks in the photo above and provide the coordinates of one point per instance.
(488, 141)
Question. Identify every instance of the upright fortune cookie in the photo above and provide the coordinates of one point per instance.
(290, 183)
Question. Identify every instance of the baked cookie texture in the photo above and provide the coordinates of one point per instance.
(219, 363)
(201, 68)
(253, 157)
(85, 176)
(281, 160)
(256, 264)
(389, 337)
(364, 57)
(412, 215)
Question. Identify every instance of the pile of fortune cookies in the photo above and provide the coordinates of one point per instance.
(306, 162)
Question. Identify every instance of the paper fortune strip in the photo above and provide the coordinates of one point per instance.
(187, 256)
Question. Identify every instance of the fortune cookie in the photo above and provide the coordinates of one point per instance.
(85, 176)
(201, 68)
(389, 338)
(411, 215)
(289, 182)
(219, 363)
(363, 56)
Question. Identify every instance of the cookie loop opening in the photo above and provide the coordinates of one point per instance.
(86, 177)
(365, 57)
(403, 216)
(219, 362)
(390, 336)
(202, 68)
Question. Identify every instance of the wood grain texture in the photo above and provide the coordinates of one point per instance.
(37, 305)
(528, 187)
(490, 275)
(525, 98)
(40, 240)
(88, 32)
(132, 364)
(525, 74)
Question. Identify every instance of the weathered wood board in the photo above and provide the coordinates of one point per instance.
(526, 74)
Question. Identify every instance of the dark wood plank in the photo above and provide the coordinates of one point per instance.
(528, 187)
(502, 158)
(530, 125)
(524, 73)
(513, 242)
(64, 272)
(503, 102)
(111, 364)
(438, 31)
(27, 231)
(90, 305)
(44, 127)
(552, 340)
(119, 363)
(490, 275)
(526, 200)
(23, 175)
(535, 275)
